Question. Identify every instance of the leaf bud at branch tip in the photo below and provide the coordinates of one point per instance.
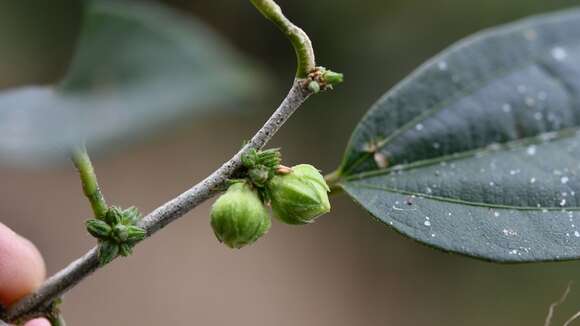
(322, 79)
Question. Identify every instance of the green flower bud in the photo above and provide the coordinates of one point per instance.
(239, 217)
(120, 233)
(107, 252)
(314, 87)
(135, 233)
(98, 229)
(114, 216)
(300, 196)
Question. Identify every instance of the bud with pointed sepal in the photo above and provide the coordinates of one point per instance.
(239, 217)
(114, 216)
(135, 233)
(98, 228)
(300, 196)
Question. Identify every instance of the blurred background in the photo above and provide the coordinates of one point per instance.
(345, 269)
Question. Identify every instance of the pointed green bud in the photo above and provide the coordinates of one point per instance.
(114, 216)
(314, 87)
(135, 233)
(98, 229)
(332, 78)
(300, 196)
(125, 249)
(239, 217)
(108, 251)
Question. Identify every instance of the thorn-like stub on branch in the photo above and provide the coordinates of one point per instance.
(322, 79)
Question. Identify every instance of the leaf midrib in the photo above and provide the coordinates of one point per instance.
(513, 145)
(463, 202)
(509, 146)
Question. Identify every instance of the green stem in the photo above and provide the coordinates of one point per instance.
(300, 41)
(91, 189)
(333, 180)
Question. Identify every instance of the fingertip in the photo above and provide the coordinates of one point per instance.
(38, 322)
(22, 268)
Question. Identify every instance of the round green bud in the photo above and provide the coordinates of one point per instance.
(300, 196)
(314, 87)
(238, 217)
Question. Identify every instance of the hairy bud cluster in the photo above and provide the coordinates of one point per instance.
(117, 233)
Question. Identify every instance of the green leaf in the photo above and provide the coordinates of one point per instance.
(478, 151)
(138, 67)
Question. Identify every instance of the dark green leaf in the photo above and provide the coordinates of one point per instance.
(138, 66)
(478, 151)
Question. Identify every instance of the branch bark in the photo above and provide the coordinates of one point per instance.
(78, 270)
